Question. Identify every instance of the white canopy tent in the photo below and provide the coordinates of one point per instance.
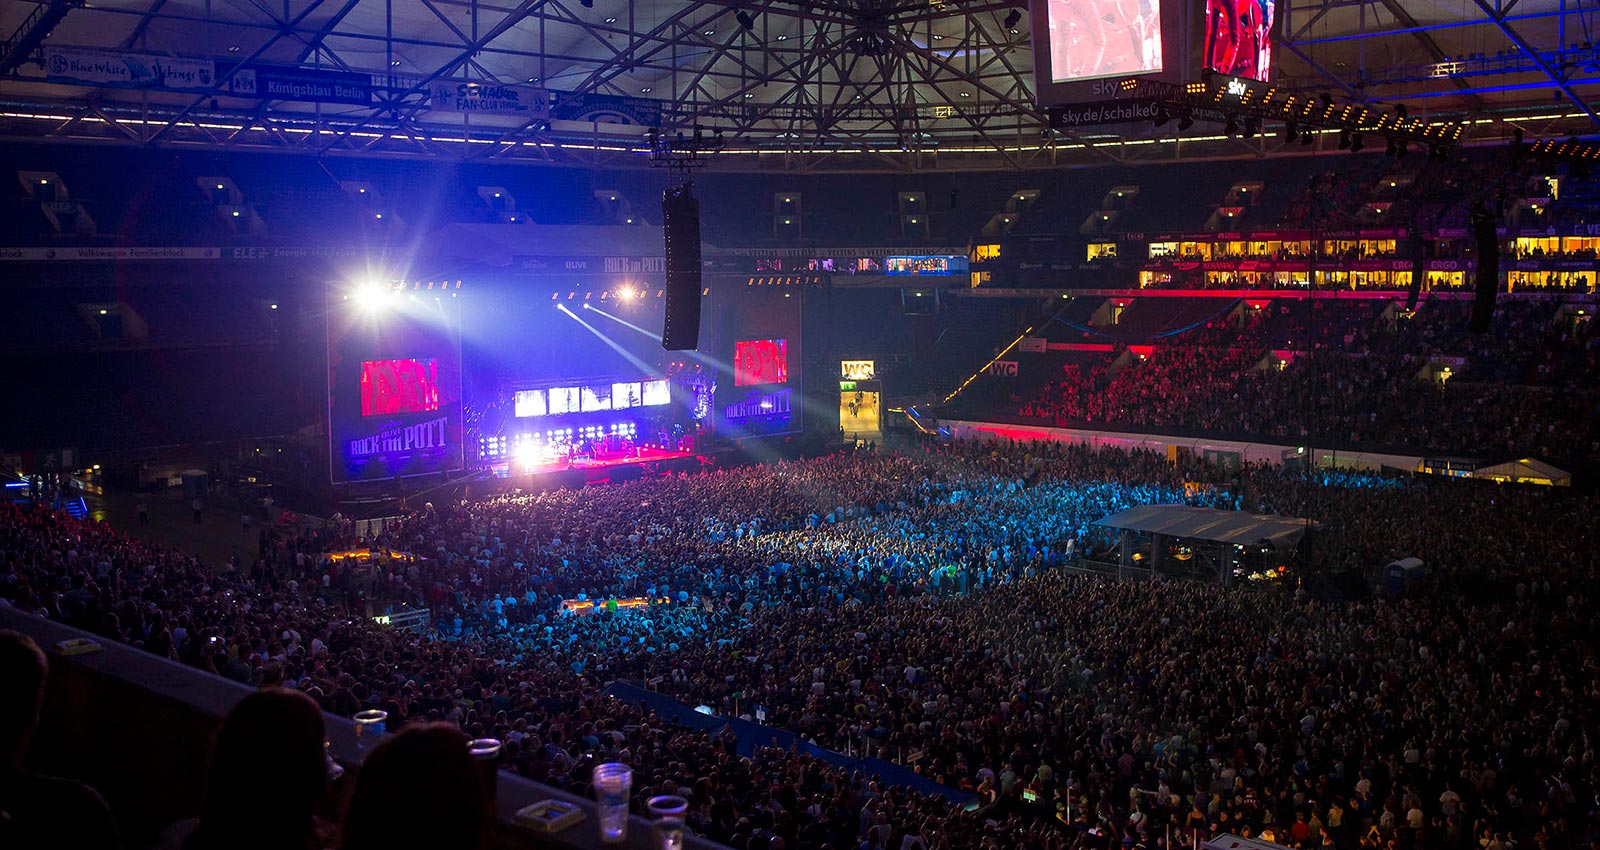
(1526, 471)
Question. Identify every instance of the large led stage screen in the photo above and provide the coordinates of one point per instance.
(760, 384)
(1083, 50)
(1238, 38)
(394, 388)
(531, 403)
(399, 386)
(760, 361)
(1094, 39)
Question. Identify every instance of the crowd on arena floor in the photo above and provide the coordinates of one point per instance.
(892, 605)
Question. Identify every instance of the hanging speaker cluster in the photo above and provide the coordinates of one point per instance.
(680, 224)
(1487, 237)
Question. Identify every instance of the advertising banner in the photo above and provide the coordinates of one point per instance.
(605, 109)
(1094, 113)
(480, 98)
(118, 69)
(312, 85)
(90, 254)
(589, 265)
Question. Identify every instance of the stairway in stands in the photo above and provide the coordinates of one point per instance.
(76, 508)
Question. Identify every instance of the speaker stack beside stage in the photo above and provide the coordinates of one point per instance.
(680, 222)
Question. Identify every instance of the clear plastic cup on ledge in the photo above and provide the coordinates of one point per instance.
(668, 812)
(486, 752)
(613, 785)
(370, 726)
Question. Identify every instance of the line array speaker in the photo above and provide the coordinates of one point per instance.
(680, 224)
(1488, 280)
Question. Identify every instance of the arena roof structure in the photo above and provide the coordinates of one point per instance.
(792, 84)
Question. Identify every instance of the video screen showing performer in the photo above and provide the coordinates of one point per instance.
(1239, 38)
(1103, 38)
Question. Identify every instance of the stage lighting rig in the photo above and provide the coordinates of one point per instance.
(681, 152)
(1570, 149)
(1243, 105)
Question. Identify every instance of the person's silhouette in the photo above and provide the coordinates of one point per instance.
(419, 789)
(268, 770)
(35, 810)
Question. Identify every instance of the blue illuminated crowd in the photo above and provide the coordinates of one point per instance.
(921, 607)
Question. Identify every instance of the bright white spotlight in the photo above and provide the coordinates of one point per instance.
(371, 296)
(526, 454)
(626, 293)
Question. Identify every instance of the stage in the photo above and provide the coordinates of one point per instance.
(645, 455)
(646, 460)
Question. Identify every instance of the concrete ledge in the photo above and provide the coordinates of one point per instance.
(139, 729)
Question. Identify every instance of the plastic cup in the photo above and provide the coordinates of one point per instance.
(486, 752)
(370, 726)
(668, 811)
(335, 769)
(613, 784)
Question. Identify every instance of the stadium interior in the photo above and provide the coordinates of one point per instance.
(818, 424)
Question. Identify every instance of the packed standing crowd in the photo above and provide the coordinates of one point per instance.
(917, 606)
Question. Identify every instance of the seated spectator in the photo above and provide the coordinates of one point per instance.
(419, 789)
(268, 771)
(36, 810)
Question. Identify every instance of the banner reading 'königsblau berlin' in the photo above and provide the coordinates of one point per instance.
(312, 85)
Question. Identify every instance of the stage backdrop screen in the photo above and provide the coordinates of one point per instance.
(760, 361)
(531, 403)
(657, 393)
(394, 390)
(564, 400)
(594, 399)
(1238, 39)
(1094, 39)
(626, 395)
